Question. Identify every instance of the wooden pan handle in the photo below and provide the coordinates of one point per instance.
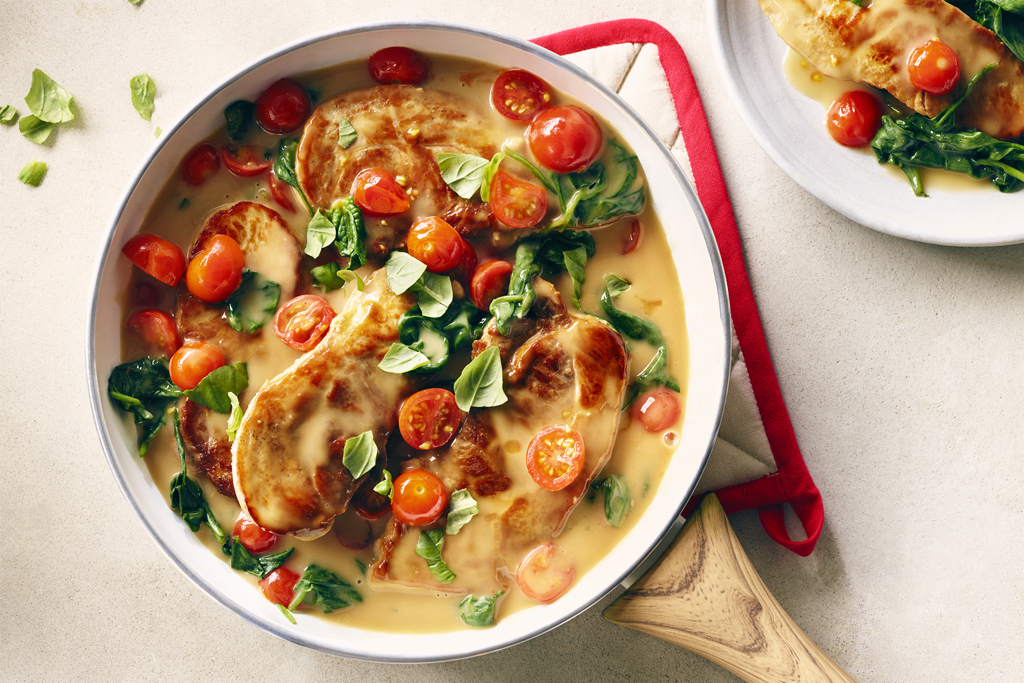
(704, 595)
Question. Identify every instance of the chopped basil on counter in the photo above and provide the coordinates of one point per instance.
(257, 565)
(47, 100)
(35, 129)
(429, 546)
(144, 389)
(461, 508)
(143, 93)
(187, 496)
(212, 391)
(253, 304)
(324, 587)
(238, 116)
(33, 173)
(360, 454)
(346, 133)
(384, 487)
(480, 384)
(158, 132)
(464, 173)
(479, 612)
(235, 420)
(8, 115)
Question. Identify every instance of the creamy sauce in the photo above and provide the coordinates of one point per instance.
(639, 456)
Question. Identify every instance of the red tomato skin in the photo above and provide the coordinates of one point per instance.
(419, 498)
(369, 504)
(633, 238)
(194, 361)
(397, 65)
(563, 445)
(280, 192)
(429, 418)
(157, 257)
(247, 161)
(565, 139)
(304, 314)
(157, 329)
(489, 282)
(279, 586)
(215, 273)
(657, 409)
(464, 269)
(255, 538)
(520, 95)
(435, 243)
(517, 203)
(283, 107)
(854, 118)
(200, 164)
(378, 192)
(544, 574)
(933, 68)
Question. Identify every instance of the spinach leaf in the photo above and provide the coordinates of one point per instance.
(212, 391)
(384, 487)
(47, 100)
(8, 114)
(35, 129)
(284, 167)
(319, 585)
(361, 566)
(320, 232)
(351, 232)
(33, 173)
(235, 419)
(434, 294)
(461, 508)
(403, 271)
(360, 454)
(429, 546)
(478, 612)
(461, 324)
(575, 262)
(258, 566)
(144, 388)
(1002, 17)
(187, 496)
(464, 173)
(253, 303)
(346, 133)
(401, 359)
(616, 498)
(143, 93)
(480, 384)
(238, 115)
(331, 276)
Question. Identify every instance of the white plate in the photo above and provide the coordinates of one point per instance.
(790, 129)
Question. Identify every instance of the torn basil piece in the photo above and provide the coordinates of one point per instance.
(479, 612)
(360, 454)
(401, 359)
(464, 173)
(253, 304)
(143, 93)
(480, 384)
(429, 546)
(462, 507)
(212, 391)
(319, 586)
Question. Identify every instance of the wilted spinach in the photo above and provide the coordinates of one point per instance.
(253, 303)
(144, 389)
(187, 496)
(284, 167)
(324, 587)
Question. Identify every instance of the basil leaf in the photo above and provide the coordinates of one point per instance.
(253, 304)
(238, 116)
(575, 264)
(47, 100)
(360, 454)
(8, 114)
(351, 231)
(480, 384)
(325, 588)
(384, 487)
(464, 173)
(429, 546)
(258, 566)
(187, 495)
(616, 499)
(434, 294)
(284, 167)
(401, 359)
(35, 129)
(135, 2)
(212, 391)
(361, 565)
(319, 233)
(144, 389)
(235, 420)
(489, 172)
(157, 132)
(403, 271)
(331, 276)
(33, 173)
(143, 94)
(479, 612)
(346, 133)
(616, 285)
(461, 508)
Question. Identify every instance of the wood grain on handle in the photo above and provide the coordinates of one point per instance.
(704, 595)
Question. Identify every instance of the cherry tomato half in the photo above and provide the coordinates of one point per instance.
(517, 203)
(657, 409)
(215, 272)
(283, 107)
(279, 586)
(429, 418)
(489, 282)
(854, 118)
(545, 573)
(157, 329)
(633, 238)
(157, 257)
(933, 67)
(280, 191)
(246, 161)
(377, 191)
(464, 269)
(255, 538)
(419, 497)
(200, 164)
(303, 322)
(397, 65)
(554, 457)
(435, 243)
(565, 139)
(194, 361)
(519, 95)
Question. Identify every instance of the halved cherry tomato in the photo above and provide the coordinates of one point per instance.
(519, 95)
(377, 191)
(565, 139)
(215, 272)
(545, 573)
(464, 269)
(397, 65)
(420, 497)
(933, 67)
(854, 118)
(657, 409)
(489, 282)
(554, 456)
(283, 107)
(517, 203)
(279, 189)
(435, 243)
(634, 238)
(255, 538)
(429, 418)
(200, 164)
(157, 257)
(194, 361)
(157, 329)
(246, 161)
(302, 322)
(279, 586)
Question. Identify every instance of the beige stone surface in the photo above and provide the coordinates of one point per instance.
(900, 363)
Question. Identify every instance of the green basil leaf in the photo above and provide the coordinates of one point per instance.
(212, 391)
(429, 546)
(434, 294)
(351, 240)
(616, 285)
(284, 167)
(187, 495)
(253, 304)
(144, 389)
(143, 94)
(325, 588)
(403, 271)
(238, 115)
(8, 114)
(258, 566)
(346, 133)
(479, 612)
(480, 384)
(135, 2)
(33, 173)
(47, 100)
(384, 487)
(158, 132)
(401, 359)
(575, 264)
(489, 172)
(464, 173)
(235, 420)
(361, 565)
(319, 234)
(35, 129)
(461, 508)
(360, 454)
(616, 499)
(331, 276)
